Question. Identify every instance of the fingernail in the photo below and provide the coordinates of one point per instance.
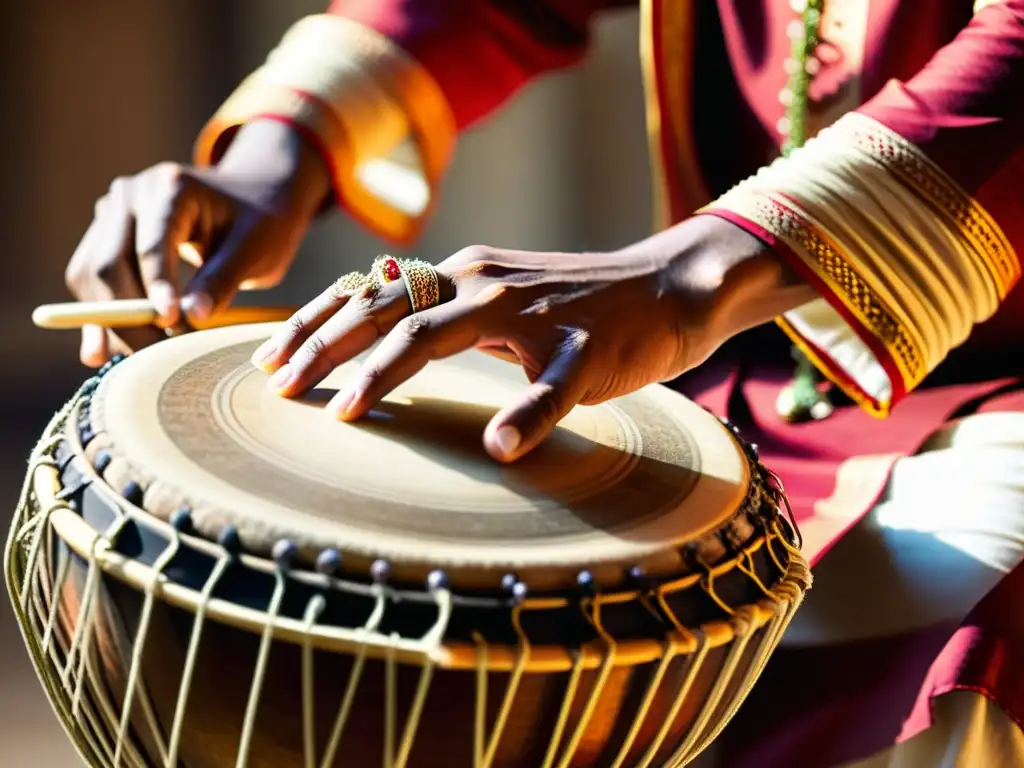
(161, 293)
(198, 305)
(263, 353)
(339, 406)
(507, 440)
(281, 379)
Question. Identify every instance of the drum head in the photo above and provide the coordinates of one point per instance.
(620, 484)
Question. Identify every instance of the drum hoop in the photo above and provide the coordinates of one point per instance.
(81, 538)
(164, 496)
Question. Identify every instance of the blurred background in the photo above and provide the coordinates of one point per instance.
(94, 90)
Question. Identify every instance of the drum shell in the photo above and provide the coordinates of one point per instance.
(228, 656)
(444, 738)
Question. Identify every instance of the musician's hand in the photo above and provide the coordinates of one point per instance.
(246, 217)
(586, 328)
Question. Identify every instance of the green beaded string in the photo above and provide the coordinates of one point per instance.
(804, 39)
(804, 401)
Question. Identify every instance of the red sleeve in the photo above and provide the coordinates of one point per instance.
(965, 108)
(480, 51)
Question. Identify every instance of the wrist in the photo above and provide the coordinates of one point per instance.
(273, 155)
(726, 280)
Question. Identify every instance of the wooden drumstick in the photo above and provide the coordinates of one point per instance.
(133, 313)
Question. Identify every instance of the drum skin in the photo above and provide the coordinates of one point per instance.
(742, 591)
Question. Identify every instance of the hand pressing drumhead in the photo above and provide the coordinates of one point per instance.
(585, 327)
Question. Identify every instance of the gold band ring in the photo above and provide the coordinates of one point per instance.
(420, 279)
(352, 282)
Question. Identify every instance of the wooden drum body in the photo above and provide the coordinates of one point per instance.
(207, 575)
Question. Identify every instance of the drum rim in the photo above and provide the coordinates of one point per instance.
(656, 558)
(74, 531)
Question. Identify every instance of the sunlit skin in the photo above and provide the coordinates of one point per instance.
(585, 327)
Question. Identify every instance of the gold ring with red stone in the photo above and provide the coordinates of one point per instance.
(419, 276)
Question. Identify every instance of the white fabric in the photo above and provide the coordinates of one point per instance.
(955, 507)
(949, 526)
(821, 325)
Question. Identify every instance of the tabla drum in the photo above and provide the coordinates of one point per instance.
(208, 575)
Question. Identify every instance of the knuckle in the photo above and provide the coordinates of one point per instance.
(367, 300)
(119, 187)
(106, 272)
(546, 403)
(371, 376)
(472, 261)
(495, 293)
(471, 254)
(295, 325)
(415, 329)
(76, 276)
(314, 348)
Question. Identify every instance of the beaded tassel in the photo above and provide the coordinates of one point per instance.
(801, 400)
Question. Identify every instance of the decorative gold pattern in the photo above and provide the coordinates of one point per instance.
(971, 222)
(822, 255)
(352, 282)
(421, 282)
(667, 33)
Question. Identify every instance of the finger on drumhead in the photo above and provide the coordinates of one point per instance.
(278, 349)
(432, 334)
(520, 427)
(365, 317)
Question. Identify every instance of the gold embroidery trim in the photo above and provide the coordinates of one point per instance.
(971, 222)
(846, 383)
(679, 187)
(822, 255)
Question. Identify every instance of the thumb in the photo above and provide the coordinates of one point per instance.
(521, 426)
(219, 278)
